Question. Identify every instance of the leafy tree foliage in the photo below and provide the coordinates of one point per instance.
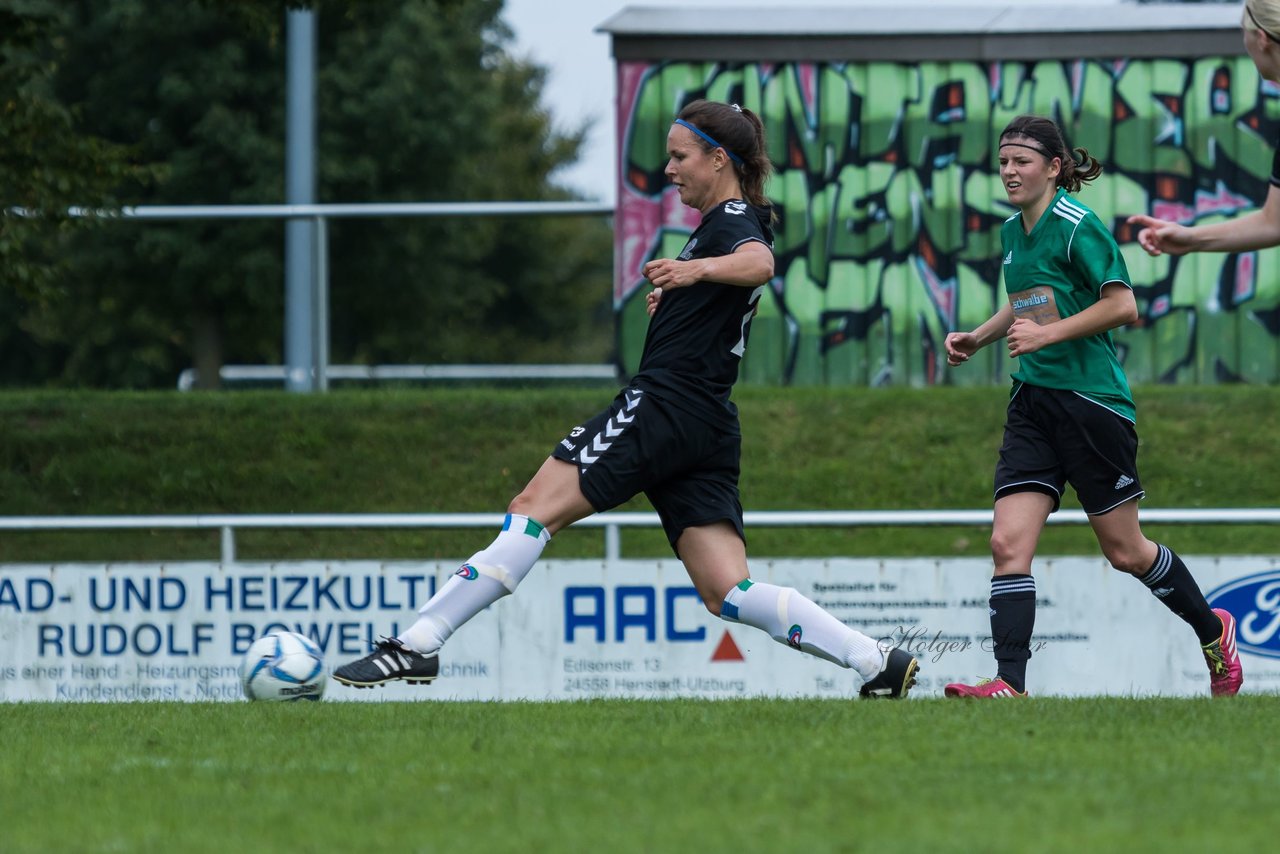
(418, 100)
(417, 106)
(46, 165)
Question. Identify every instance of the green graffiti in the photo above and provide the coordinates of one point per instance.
(798, 143)
(890, 207)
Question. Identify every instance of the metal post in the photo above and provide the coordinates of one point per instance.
(612, 543)
(320, 304)
(228, 545)
(299, 189)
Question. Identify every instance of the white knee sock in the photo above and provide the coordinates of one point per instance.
(792, 619)
(484, 579)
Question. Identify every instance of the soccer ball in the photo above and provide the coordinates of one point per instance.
(283, 666)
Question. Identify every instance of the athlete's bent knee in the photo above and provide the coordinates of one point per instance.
(1127, 561)
(521, 504)
(1005, 550)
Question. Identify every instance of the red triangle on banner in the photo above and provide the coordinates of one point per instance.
(727, 650)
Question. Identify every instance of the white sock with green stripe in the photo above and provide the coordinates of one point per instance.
(484, 579)
(792, 619)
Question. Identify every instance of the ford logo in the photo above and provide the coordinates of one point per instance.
(1255, 603)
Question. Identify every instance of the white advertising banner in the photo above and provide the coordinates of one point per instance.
(587, 628)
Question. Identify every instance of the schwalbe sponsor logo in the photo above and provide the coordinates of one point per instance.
(1255, 603)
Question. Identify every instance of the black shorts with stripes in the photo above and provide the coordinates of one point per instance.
(686, 467)
(1054, 437)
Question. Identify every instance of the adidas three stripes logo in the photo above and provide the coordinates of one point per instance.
(391, 662)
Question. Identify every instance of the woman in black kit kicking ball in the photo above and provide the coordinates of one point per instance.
(672, 434)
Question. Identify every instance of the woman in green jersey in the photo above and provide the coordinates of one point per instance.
(1071, 414)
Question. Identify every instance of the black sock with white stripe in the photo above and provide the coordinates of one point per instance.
(1170, 581)
(1013, 618)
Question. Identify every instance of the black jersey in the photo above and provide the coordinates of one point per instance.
(699, 333)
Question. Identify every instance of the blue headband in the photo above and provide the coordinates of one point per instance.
(735, 158)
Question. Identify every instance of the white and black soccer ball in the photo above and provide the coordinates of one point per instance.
(283, 666)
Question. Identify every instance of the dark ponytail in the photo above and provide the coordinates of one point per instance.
(1078, 166)
(740, 133)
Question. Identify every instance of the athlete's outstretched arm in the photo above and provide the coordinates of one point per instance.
(750, 265)
(1257, 230)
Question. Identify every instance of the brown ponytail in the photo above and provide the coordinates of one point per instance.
(740, 133)
(1079, 167)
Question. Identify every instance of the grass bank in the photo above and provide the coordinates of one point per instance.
(471, 450)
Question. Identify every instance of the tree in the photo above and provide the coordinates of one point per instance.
(417, 101)
(47, 165)
(422, 106)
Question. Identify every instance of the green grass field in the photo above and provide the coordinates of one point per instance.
(1046, 775)
(927, 775)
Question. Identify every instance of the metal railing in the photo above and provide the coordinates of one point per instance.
(612, 522)
(315, 315)
(411, 373)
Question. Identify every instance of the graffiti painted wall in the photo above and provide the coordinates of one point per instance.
(890, 207)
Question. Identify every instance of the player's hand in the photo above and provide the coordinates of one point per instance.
(670, 273)
(1159, 236)
(960, 346)
(652, 299)
(1026, 336)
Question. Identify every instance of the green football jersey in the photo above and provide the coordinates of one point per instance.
(1054, 272)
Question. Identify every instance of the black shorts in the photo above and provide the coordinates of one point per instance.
(686, 467)
(1053, 437)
